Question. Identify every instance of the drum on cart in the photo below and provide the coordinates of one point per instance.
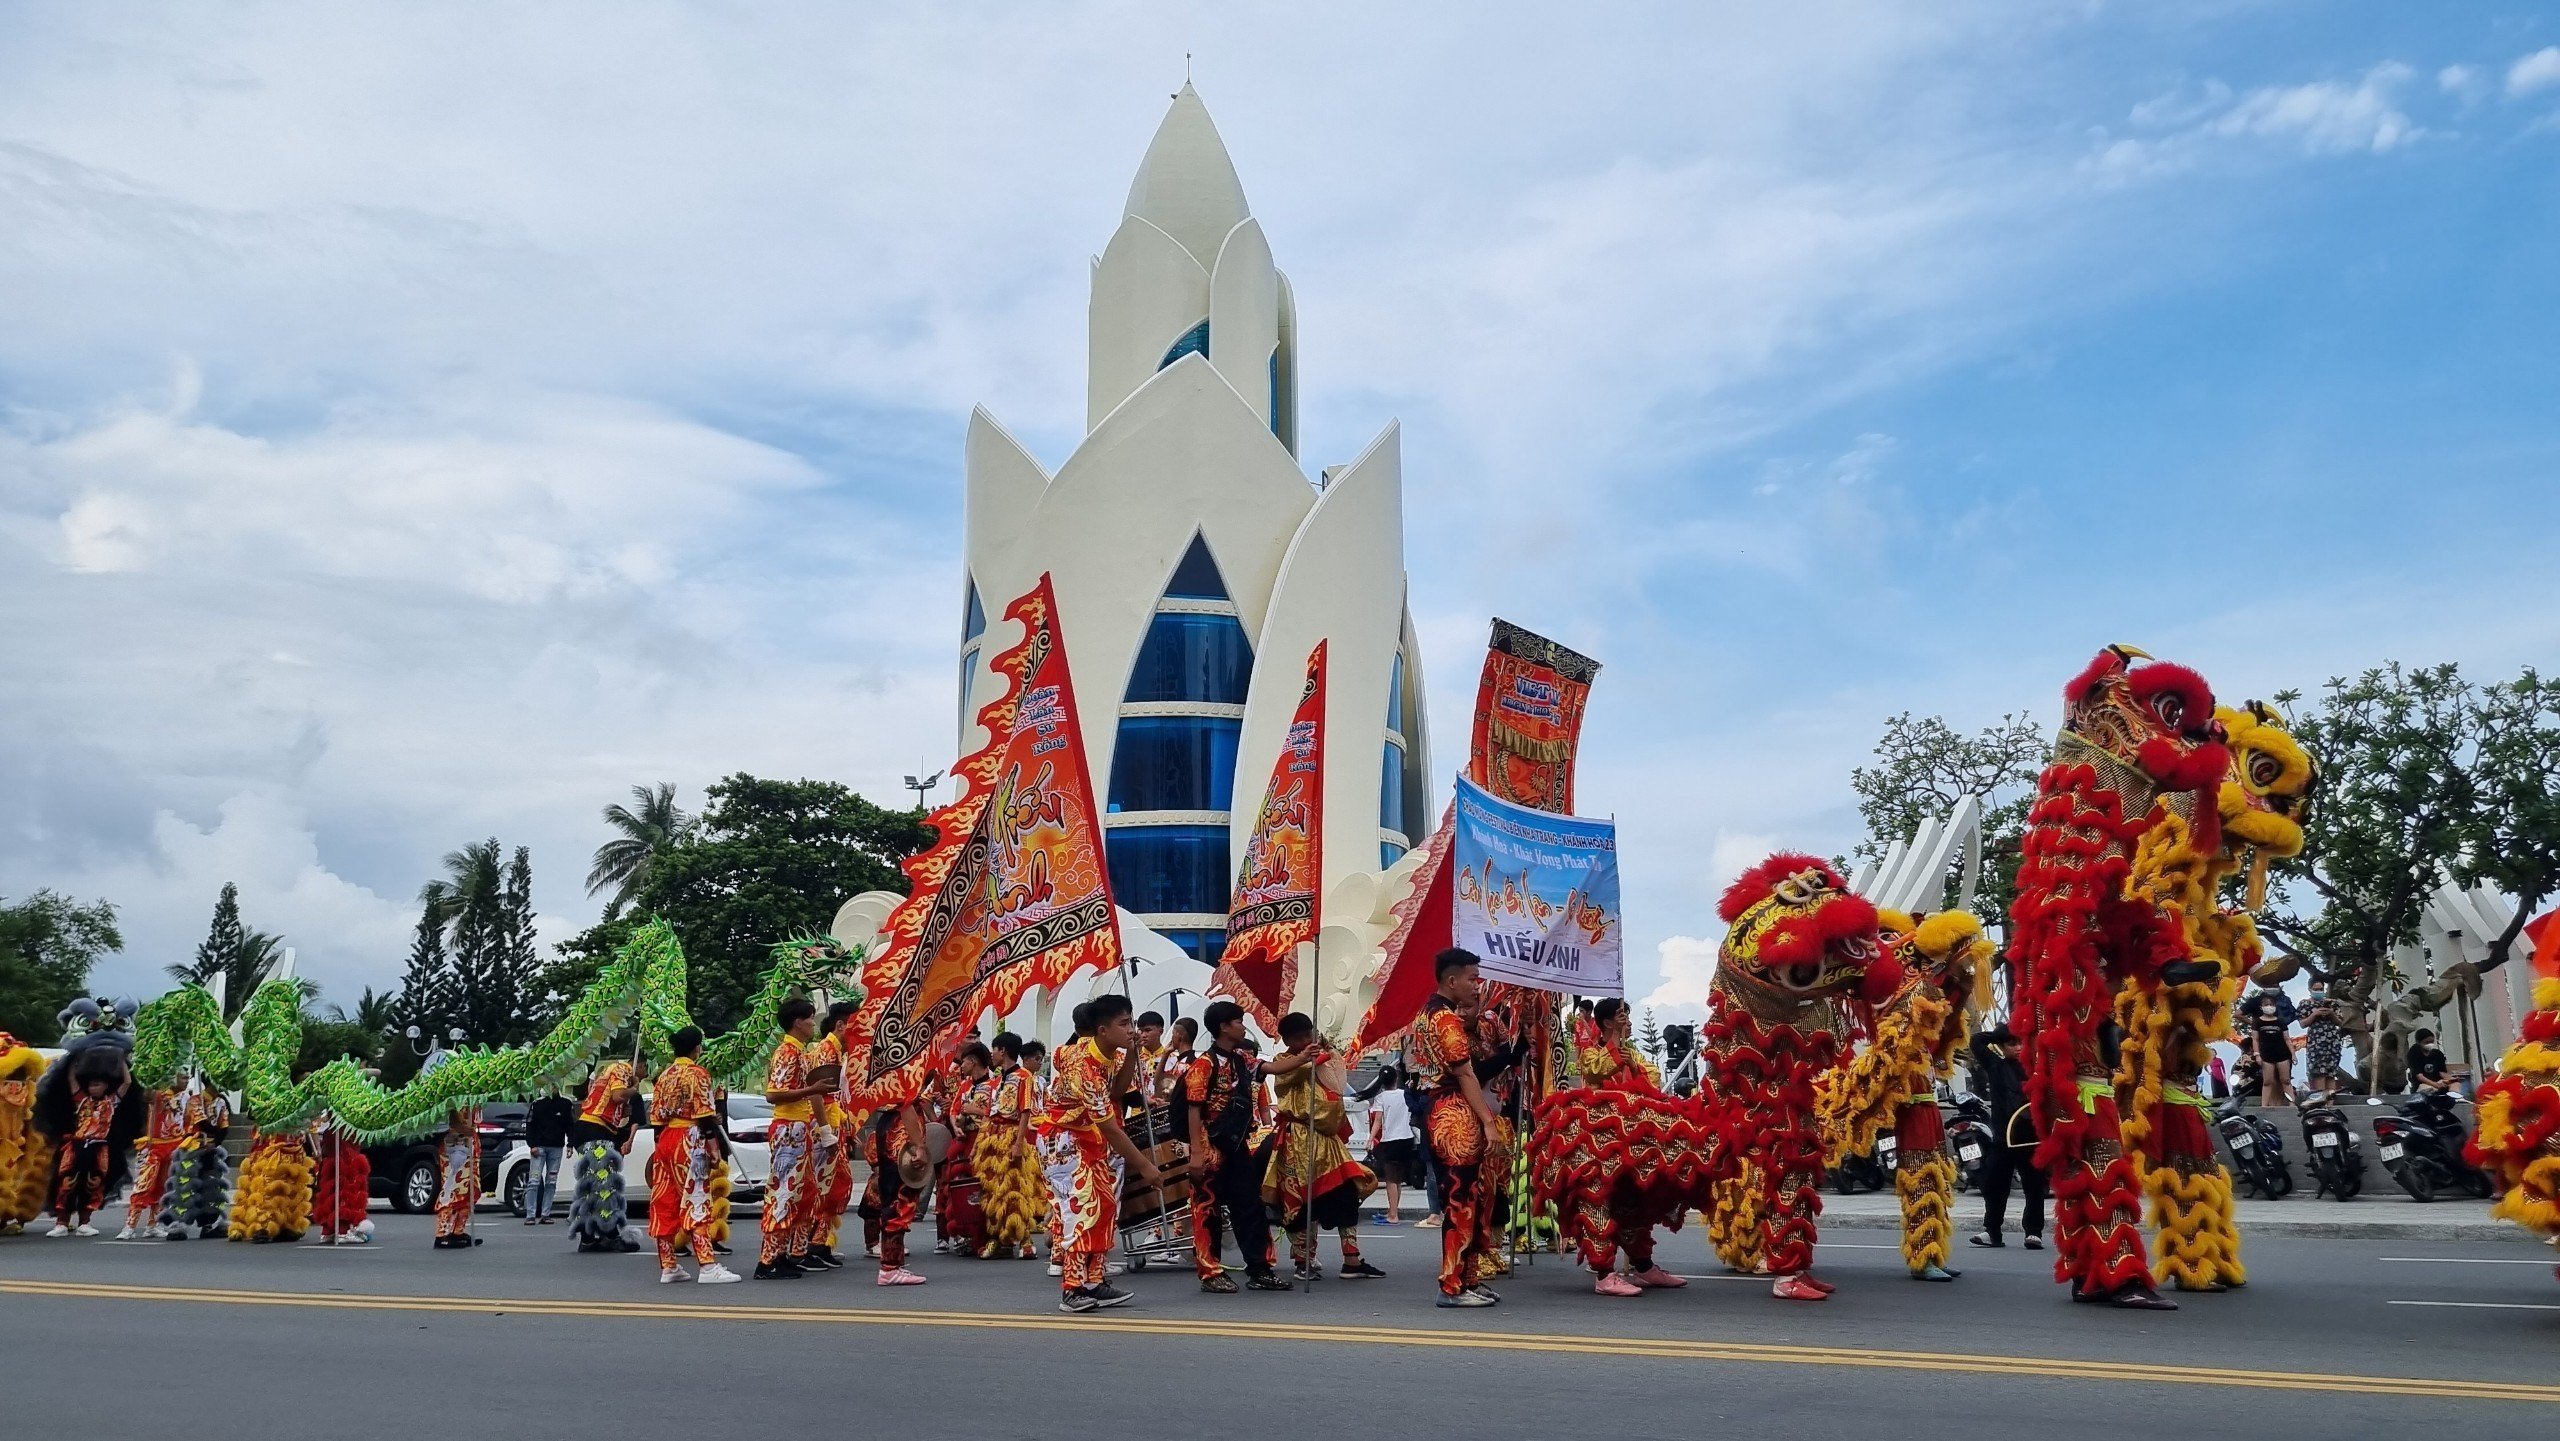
(1155, 1217)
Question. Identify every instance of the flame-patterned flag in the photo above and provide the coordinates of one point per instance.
(1012, 894)
(1277, 888)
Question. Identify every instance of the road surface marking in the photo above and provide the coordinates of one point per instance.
(2483, 1305)
(1122, 1323)
(2469, 1260)
(1858, 1245)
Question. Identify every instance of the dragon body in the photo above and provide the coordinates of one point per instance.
(643, 985)
(2129, 792)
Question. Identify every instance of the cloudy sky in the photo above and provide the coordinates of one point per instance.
(420, 423)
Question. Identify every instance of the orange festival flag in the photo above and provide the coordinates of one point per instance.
(1277, 888)
(1012, 894)
(1526, 737)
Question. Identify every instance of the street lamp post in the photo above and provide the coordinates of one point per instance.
(432, 1042)
(923, 786)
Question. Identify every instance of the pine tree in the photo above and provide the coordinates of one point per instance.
(221, 945)
(519, 964)
(428, 996)
(1649, 1036)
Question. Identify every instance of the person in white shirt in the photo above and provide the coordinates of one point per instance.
(1392, 1146)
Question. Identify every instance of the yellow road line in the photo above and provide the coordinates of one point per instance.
(1661, 1348)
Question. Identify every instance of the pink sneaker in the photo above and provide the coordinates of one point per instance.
(1797, 1288)
(900, 1276)
(1613, 1284)
(1654, 1278)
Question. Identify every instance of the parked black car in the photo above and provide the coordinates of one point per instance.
(404, 1172)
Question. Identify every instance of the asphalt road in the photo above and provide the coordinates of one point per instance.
(524, 1337)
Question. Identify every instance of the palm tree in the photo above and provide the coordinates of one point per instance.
(374, 1012)
(470, 874)
(622, 864)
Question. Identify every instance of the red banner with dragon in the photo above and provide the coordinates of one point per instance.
(1528, 730)
(1277, 888)
(1013, 893)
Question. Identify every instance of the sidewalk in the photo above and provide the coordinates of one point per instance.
(2371, 1216)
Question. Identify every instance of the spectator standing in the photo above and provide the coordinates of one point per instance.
(1391, 1140)
(2324, 1039)
(546, 1135)
(2000, 1079)
(2219, 1075)
(2269, 1016)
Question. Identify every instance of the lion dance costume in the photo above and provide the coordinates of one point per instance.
(200, 1172)
(273, 1201)
(91, 1135)
(1008, 1173)
(163, 1127)
(599, 1208)
(2519, 1112)
(1797, 940)
(1917, 1001)
(2138, 754)
(23, 1161)
(1616, 1157)
(343, 1184)
(2169, 1028)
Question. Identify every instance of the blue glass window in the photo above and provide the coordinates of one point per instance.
(1395, 697)
(1279, 402)
(968, 672)
(1197, 578)
(1391, 791)
(1389, 852)
(1194, 341)
(1206, 947)
(1175, 763)
(1170, 870)
(1192, 657)
(974, 624)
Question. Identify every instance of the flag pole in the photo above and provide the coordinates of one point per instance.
(1146, 1095)
(1315, 1006)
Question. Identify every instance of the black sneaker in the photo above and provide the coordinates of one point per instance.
(1107, 1294)
(808, 1261)
(1309, 1275)
(824, 1256)
(778, 1271)
(717, 1249)
(1268, 1281)
(1078, 1302)
(1361, 1270)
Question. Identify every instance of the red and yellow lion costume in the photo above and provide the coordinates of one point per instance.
(2519, 1136)
(2134, 771)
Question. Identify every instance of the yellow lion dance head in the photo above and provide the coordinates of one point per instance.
(2267, 794)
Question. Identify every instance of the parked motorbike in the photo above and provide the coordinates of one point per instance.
(2335, 1156)
(2257, 1151)
(1970, 1136)
(1871, 1171)
(2422, 1148)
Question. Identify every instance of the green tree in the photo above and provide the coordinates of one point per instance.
(429, 998)
(242, 960)
(2399, 756)
(48, 943)
(2512, 840)
(768, 859)
(1649, 1036)
(1924, 766)
(622, 864)
(327, 1037)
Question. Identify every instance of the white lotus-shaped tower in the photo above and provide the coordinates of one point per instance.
(1196, 565)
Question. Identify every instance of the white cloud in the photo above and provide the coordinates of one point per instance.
(2537, 71)
(2465, 82)
(2322, 117)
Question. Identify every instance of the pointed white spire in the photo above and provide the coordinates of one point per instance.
(1187, 187)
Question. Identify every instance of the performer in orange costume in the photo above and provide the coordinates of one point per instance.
(1467, 1139)
(163, 1127)
(458, 1180)
(1218, 1092)
(1083, 1151)
(689, 1144)
(793, 1088)
(832, 1166)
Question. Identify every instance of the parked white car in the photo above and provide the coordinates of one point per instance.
(750, 1120)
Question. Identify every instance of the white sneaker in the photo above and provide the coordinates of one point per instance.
(58, 1232)
(1114, 1268)
(125, 1235)
(1054, 1268)
(671, 1275)
(716, 1274)
(85, 1229)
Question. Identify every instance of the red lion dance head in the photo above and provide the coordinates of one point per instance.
(1796, 930)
